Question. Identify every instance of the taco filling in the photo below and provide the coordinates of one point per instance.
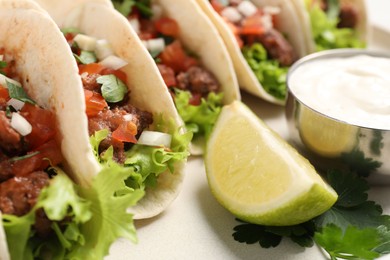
(267, 51)
(29, 155)
(144, 144)
(334, 24)
(195, 90)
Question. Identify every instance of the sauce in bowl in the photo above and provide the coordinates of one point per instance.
(353, 89)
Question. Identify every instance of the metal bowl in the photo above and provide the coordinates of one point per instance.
(331, 143)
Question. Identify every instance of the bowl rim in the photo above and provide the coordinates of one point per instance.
(326, 54)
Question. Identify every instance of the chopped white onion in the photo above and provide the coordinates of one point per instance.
(247, 8)
(155, 45)
(15, 103)
(85, 42)
(103, 49)
(20, 124)
(145, 43)
(266, 20)
(113, 62)
(135, 25)
(4, 79)
(153, 138)
(231, 14)
(128, 117)
(157, 12)
(272, 10)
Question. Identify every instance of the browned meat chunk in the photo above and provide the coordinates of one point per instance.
(197, 80)
(42, 224)
(277, 46)
(19, 194)
(348, 16)
(112, 119)
(89, 81)
(10, 140)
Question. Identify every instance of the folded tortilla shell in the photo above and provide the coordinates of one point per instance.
(148, 91)
(57, 89)
(362, 26)
(4, 255)
(290, 25)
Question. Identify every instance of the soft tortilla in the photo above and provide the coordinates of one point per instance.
(362, 26)
(148, 91)
(200, 36)
(57, 89)
(290, 25)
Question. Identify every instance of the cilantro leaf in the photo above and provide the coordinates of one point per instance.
(18, 92)
(113, 89)
(360, 164)
(3, 65)
(250, 234)
(86, 57)
(124, 6)
(354, 243)
(271, 236)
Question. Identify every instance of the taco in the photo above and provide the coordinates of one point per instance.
(263, 41)
(131, 117)
(332, 24)
(190, 56)
(46, 213)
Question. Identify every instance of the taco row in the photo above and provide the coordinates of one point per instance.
(98, 107)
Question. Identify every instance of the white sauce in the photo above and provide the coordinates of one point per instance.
(354, 90)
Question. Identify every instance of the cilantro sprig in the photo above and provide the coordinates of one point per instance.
(354, 228)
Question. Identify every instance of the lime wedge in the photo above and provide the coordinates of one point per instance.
(257, 176)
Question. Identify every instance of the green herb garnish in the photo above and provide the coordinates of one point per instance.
(113, 89)
(126, 6)
(3, 65)
(354, 228)
(29, 155)
(86, 57)
(17, 92)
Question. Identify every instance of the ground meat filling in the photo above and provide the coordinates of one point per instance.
(111, 119)
(19, 194)
(197, 80)
(348, 16)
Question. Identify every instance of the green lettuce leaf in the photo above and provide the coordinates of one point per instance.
(59, 201)
(199, 119)
(269, 72)
(327, 35)
(143, 163)
(110, 221)
(86, 221)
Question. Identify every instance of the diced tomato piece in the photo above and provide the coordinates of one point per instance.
(195, 99)
(94, 103)
(174, 56)
(167, 26)
(217, 6)
(168, 75)
(118, 73)
(48, 154)
(91, 68)
(43, 124)
(69, 37)
(148, 30)
(189, 62)
(4, 95)
(51, 151)
(253, 25)
(126, 132)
